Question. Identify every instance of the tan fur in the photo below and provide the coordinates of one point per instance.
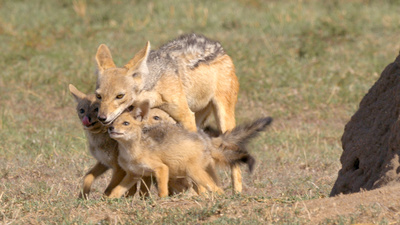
(189, 92)
(104, 149)
(167, 151)
(141, 156)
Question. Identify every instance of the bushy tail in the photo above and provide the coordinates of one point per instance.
(230, 147)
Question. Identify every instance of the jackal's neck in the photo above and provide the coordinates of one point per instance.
(97, 136)
(131, 147)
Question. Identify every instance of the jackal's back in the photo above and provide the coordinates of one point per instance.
(180, 56)
(194, 49)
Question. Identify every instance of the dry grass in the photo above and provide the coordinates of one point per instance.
(306, 63)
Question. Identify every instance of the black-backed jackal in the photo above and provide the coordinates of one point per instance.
(190, 78)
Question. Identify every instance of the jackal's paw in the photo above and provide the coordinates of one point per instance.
(113, 195)
(220, 191)
(163, 194)
(83, 196)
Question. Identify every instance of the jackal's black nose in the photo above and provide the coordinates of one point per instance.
(111, 128)
(102, 118)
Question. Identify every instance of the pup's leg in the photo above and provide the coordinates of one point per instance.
(178, 185)
(161, 172)
(116, 178)
(210, 169)
(129, 180)
(201, 178)
(96, 171)
(199, 189)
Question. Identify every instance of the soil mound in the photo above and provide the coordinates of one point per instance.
(366, 206)
(371, 140)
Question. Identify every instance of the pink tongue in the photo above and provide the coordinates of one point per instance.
(85, 121)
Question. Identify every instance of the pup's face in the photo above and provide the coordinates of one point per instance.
(125, 128)
(87, 109)
(156, 116)
(129, 125)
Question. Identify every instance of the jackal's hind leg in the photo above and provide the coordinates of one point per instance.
(224, 112)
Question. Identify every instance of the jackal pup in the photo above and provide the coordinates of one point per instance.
(167, 151)
(190, 78)
(102, 147)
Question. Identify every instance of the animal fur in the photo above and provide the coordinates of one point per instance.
(190, 78)
(104, 149)
(167, 151)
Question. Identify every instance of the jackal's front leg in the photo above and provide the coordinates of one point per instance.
(162, 177)
(129, 180)
(116, 178)
(96, 171)
(179, 110)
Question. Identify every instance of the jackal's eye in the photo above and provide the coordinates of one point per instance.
(120, 96)
(125, 123)
(156, 118)
(81, 111)
(98, 96)
(96, 109)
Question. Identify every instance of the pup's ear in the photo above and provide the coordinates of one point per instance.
(141, 111)
(137, 66)
(103, 58)
(76, 93)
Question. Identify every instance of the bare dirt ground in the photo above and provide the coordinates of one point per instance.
(385, 202)
(380, 206)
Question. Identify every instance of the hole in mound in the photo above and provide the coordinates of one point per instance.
(356, 165)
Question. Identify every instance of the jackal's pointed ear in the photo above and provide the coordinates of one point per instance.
(103, 58)
(138, 64)
(141, 110)
(76, 93)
